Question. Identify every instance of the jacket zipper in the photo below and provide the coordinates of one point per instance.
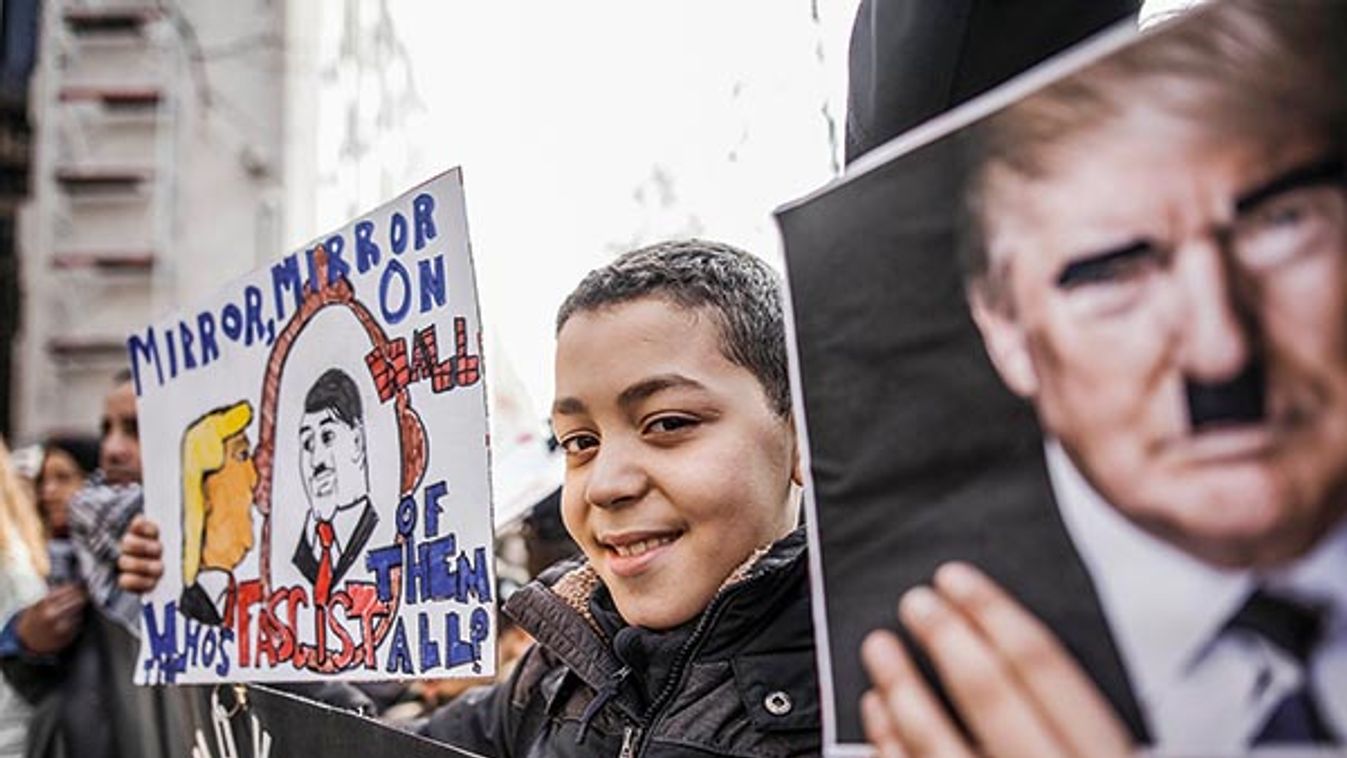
(631, 735)
(642, 733)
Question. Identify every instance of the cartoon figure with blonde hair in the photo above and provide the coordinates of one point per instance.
(218, 477)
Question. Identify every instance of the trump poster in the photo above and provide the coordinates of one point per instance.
(315, 445)
(1089, 334)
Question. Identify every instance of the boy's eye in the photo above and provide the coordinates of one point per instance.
(575, 444)
(666, 424)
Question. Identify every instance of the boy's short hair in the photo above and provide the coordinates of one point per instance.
(742, 292)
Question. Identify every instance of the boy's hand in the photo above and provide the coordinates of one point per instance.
(49, 626)
(1014, 685)
(139, 566)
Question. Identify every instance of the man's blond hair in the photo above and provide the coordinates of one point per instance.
(203, 453)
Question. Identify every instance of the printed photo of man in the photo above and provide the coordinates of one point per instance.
(334, 469)
(1159, 265)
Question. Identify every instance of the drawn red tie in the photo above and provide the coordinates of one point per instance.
(322, 585)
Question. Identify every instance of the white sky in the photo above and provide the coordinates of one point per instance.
(585, 129)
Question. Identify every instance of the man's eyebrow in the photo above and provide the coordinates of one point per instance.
(1090, 267)
(1326, 171)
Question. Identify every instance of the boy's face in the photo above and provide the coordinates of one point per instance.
(676, 467)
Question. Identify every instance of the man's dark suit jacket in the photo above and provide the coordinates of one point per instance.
(911, 60)
(308, 565)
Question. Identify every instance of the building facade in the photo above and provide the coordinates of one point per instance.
(157, 176)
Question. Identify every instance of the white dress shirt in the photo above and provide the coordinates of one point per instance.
(1203, 690)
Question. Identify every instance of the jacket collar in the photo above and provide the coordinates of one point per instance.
(554, 608)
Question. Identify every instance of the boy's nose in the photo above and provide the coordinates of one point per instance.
(615, 478)
(1217, 322)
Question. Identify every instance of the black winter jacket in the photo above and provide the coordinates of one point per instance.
(740, 679)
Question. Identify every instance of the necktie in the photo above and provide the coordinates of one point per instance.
(1294, 628)
(322, 584)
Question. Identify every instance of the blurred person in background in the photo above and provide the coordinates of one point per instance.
(26, 463)
(23, 563)
(910, 61)
(100, 512)
(67, 463)
(545, 537)
(56, 654)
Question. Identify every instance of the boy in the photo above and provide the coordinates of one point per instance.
(686, 628)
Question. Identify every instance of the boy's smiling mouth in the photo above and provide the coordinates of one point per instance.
(630, 553)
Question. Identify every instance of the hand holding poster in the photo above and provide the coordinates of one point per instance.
(315, 441)
(1088, 334)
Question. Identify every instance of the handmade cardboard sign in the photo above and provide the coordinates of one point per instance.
(315, 452)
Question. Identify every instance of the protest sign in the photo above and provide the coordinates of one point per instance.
(1087, 334)
(315, 445)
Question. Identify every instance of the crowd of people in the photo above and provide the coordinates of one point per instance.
(64, 529)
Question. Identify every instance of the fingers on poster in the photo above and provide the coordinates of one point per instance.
(316, 458)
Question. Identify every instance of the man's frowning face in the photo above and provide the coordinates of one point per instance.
(1175, 305)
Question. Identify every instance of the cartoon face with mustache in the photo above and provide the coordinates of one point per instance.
(332, 462)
